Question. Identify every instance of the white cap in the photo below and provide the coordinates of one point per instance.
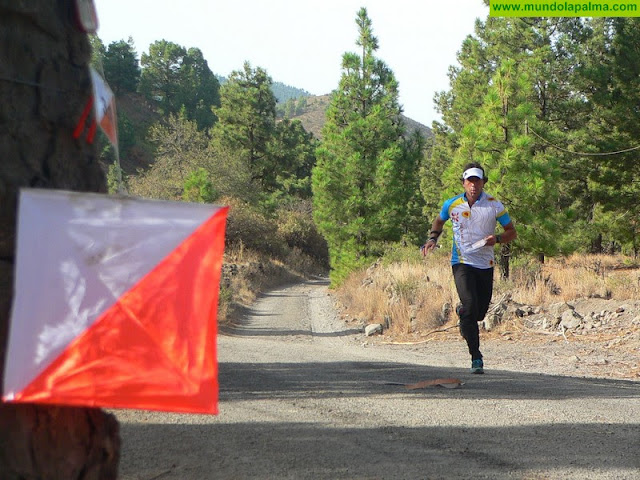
(473, 172)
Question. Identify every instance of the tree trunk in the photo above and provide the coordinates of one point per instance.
(504, 257)
(44, 88)
(596, 244)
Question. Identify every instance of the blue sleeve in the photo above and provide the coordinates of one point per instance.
(444, 213)
(504, 218)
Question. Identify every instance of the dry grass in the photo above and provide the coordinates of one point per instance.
(414, 297)
(408, 297)
(577, 276)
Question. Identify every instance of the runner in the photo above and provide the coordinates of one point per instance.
(474, 215)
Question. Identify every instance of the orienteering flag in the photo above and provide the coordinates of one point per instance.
(105, 107)
(115, 302)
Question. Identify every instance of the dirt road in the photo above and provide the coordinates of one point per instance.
(304, 397)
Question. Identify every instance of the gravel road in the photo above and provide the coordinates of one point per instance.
(303, 396)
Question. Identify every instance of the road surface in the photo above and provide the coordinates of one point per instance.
(303, 397)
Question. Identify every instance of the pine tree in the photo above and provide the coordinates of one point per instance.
(365, 171)
(291, 157)
(247, 120)
(609, 78)
(519, 175)
(43, 48)
(121, 68)
(200, 89)
(514, 97)
(173, 77)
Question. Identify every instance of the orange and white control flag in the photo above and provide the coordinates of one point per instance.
(115, 302)
(105, 107)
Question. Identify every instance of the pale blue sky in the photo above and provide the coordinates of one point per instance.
(301, 42)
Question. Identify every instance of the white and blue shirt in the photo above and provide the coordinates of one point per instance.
(472, 224)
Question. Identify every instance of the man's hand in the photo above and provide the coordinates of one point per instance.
(427, 247)
(491, 240)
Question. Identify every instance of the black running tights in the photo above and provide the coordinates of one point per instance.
(475, 287)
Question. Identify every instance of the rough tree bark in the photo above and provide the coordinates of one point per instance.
(44, 87)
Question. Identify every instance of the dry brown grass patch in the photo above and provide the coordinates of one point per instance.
(577, 276)
(407, 297)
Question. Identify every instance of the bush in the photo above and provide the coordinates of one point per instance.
(299, 232)
(246, 225)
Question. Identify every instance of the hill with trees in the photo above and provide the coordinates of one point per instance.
(312, 112)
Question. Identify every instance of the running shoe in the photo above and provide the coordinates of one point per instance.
(477, 366)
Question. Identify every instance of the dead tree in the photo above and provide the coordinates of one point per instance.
(44, 88)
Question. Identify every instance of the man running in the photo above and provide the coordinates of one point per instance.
(474, 215)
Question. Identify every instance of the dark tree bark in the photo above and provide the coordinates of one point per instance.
(44, 88)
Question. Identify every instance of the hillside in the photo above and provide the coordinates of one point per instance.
(282, 91)
(313, 117)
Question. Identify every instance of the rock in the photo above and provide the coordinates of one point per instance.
(491, 321)
(444, 314)
(550, 323)
(570, 319)
(371, 270)
(373, 329)
(557, 309)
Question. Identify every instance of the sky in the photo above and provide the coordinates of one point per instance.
(301, 42)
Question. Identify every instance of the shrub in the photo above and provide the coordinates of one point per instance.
(246, 225)
(299, 231)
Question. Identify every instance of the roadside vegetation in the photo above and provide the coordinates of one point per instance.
(412, 296)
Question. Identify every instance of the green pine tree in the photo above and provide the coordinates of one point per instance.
(121, 68)
(174, 78)
(365, 172)
(278, 155)
(609, 77)
(515, 96)
(247, 120)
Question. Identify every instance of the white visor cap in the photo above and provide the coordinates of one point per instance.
(473, 172)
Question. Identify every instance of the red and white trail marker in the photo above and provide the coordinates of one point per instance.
(115, 302)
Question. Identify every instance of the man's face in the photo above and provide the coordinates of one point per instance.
(473, 187)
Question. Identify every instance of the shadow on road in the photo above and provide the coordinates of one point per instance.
(318, 451)
(241, 381)
(350, 444)
(343, 420)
